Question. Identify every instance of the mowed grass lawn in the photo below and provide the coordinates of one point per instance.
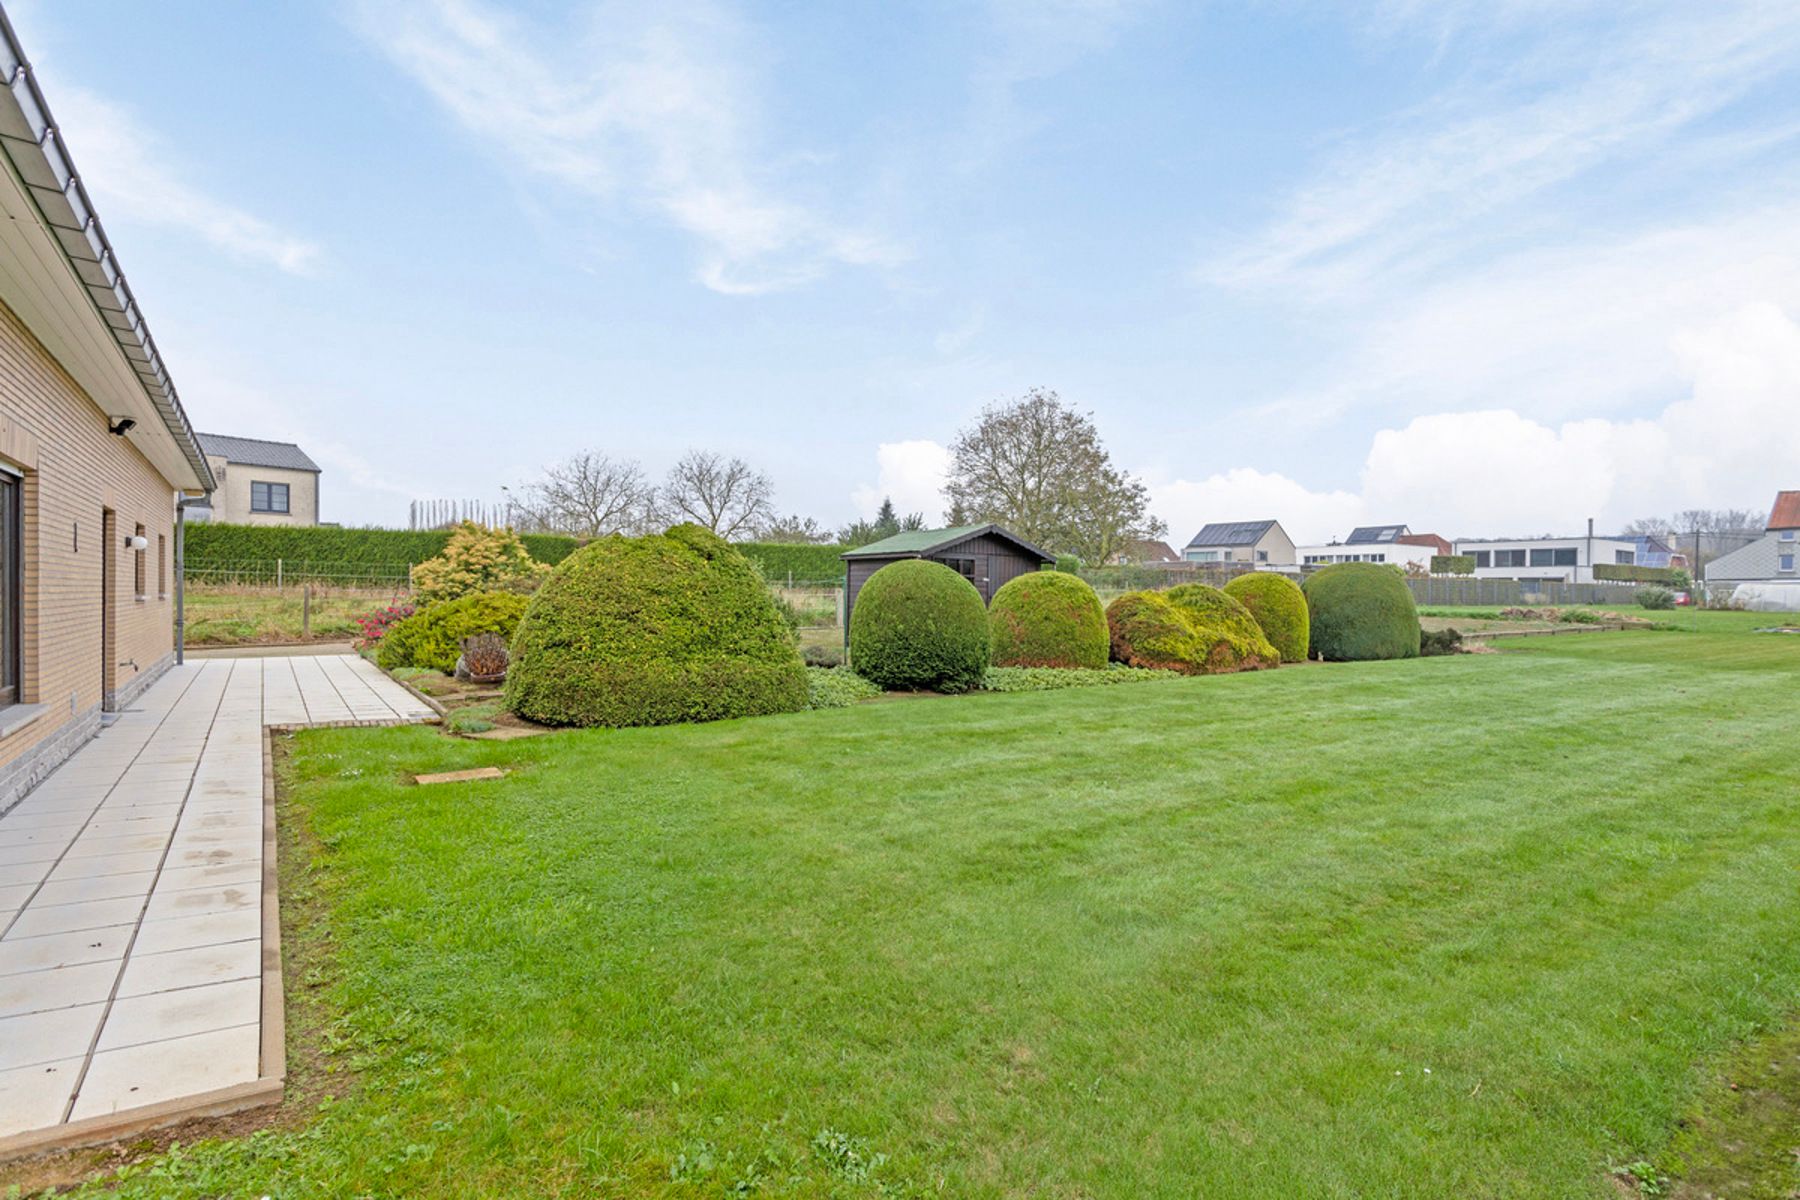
(1458, 927)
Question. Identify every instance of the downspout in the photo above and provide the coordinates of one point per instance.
(181, 505)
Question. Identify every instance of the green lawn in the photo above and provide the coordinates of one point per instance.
(1454, 927)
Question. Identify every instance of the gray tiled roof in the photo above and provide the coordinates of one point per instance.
(255, 452)
(1232, 533)
(1755, 561)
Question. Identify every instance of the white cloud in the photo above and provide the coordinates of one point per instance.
(131, 178)
(652, 105)
(1733, 441)
(911, 474)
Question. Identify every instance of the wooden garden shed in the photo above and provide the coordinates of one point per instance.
(986, 555)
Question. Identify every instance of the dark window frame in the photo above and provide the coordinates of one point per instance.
(12, 587)
(268, 504)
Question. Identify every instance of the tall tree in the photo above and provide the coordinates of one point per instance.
(886, 524)
(1037, 466)
(727, 495)
(796, 529)
(590, 495)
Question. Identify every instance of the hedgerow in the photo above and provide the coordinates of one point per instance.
(1047, 619)
(654, 630)
(1279, 607)
(1193, 628)
(1633, 573)
(1453, 564)
(215, 543)
(782, 561)
(1361, 611)
(919, 625)
(432, 637)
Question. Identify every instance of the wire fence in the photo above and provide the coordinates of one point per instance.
(279, 573)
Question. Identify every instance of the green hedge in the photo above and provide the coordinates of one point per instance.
(1047, 619)
(781, 561)
(652, 631)
(1361, 611)
(212, 542)
(1628, 573)
(1192, 628)
(1453, 564)
(919, 625)
(1279, 607)
(433, 637)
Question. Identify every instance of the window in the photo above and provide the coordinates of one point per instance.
(1543, 558)
(1625, 558)
(1509, 558)
(268, 497)
(1786, 535)
(1203, 556)
(1483, 558)
(962, 566)
(1566, 556)
(1784, 563)
(162, 565)
(12, 592)
(137, 563)
(1262, 556)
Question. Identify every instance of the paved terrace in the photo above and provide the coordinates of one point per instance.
(132, 923)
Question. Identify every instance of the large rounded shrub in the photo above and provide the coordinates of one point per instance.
(1195, 629)
(1047, 619)
(919, 625)
(1361, 611)
(1279, 607)
(651, 631)
(433, 636)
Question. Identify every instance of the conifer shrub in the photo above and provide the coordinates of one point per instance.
(476, 559)
(1047, 619)
(1193, 628)
(919, 626)
(432, 637)
(1360, 612)
(654, 630)
(1279, 607)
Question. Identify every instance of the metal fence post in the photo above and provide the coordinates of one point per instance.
(306, 613)
(278, 574)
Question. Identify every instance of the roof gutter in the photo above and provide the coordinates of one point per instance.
(32, 143)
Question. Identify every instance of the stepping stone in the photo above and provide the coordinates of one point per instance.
(461, 776)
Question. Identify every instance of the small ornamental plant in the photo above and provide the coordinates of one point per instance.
(374, 625)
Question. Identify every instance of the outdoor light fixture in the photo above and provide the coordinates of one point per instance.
(121, 426)
(137, 541)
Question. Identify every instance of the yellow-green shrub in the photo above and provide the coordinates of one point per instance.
(476, 559)
(1279, 607)
(1194, 629)
(1047, 619)
(432, 637)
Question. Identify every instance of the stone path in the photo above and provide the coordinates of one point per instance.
(132, 929)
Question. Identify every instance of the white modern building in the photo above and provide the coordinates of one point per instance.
(1565, 560)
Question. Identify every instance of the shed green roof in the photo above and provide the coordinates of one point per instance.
(924, 541)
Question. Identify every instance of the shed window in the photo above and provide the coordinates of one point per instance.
(12, 587)
(962, 566)
(268, 497)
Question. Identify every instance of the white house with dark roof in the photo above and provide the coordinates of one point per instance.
(259, 482)
(1258, 543)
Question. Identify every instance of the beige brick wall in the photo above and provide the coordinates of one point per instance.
(73, 470)
(231, 502)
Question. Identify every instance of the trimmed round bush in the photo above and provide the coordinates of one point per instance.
(1047, 619)
(919, 625)
(653, 630)
(433, 637)
(1360, 612)
(1194, 629)
(1279, 607)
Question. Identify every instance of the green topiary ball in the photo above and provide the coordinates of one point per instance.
(432, 637)
(1193, 628)
(1047, 619)
(1361, 611)
(653, 631)
(1279, 607)
(919, 625)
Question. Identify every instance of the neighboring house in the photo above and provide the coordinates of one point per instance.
(1653, 551)
(94, 452)
(1397, 553)
(1260, 543)
(1437, 544)
(986, 555)
(1534, 560)
(259, 482)
(1773, 558)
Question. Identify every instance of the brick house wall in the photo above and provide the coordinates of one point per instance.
(84, 491)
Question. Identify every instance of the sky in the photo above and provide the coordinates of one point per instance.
(1485, 267)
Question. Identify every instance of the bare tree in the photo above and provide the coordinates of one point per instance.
(727, 495)
(1037, 466)
(590, 495)
(796, 529)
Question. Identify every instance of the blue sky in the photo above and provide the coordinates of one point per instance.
(1486, 268)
